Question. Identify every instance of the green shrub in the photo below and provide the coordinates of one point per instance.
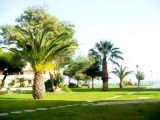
(66, 89)
(127, 82)
(11, 84)
(0, 86)
(18, 90)
(22, 82)
(61, 85)
(48, 86)
(29, 82)
(72, 85)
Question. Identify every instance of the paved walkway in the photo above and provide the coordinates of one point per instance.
(37, 109)
(110, 98)
(83, 104)
(125, 102)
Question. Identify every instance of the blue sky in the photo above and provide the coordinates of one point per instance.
(132, 25)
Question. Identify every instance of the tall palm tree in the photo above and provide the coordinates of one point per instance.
(106, 51)
(37, 47)
(121, 73)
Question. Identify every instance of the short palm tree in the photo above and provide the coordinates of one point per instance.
(37, 47)
(121, 73)
(106, 51)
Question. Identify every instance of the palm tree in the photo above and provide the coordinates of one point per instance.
(37, 47)
(121, 73)
(106, 51)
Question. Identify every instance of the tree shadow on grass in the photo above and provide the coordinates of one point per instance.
(11, 98)
(78, 112)
(110, 90)
(146, 94)
(11, 105)
(86, 89)
(130, 89)
(15, 92)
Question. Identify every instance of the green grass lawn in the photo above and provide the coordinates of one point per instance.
(146, 111)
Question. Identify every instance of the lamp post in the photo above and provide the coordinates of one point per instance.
(0, 42)
(137, 67)
(151, 77)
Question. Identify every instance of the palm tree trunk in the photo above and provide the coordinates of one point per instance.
(104, 75)
(121, 84)
(38, 86)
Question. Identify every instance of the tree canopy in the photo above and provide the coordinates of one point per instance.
(140, 75)
(77, 64)
(39, 38)
(94, 70)
(76, 67)
(36, 18)
(10, 63)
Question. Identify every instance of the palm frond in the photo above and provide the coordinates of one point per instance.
(107, 49)
(113, 61)
(37, 47)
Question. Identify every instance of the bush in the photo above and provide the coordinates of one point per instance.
(11, 84)
(30, 83)
(127, 83)
(85, 84)
(66, 89)
(48, 86)
(22, 82)
(18, 90)
(61, 85)
(80, 83)
(0, 86)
